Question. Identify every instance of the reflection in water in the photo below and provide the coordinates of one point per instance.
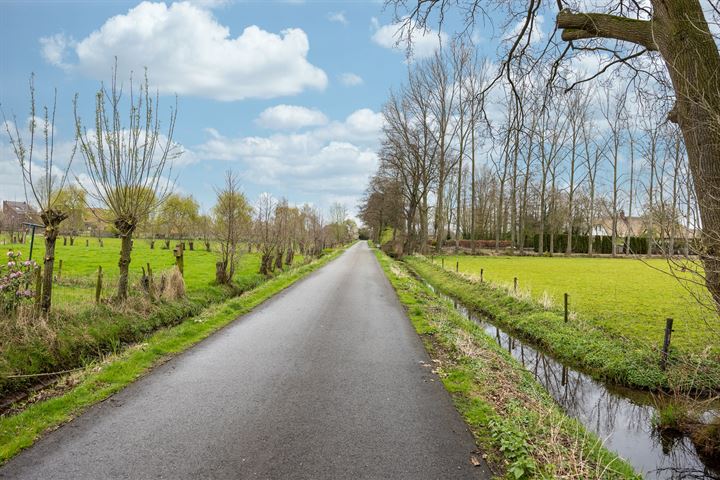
(622, 418)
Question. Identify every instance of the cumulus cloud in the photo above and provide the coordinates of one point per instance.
(281, 117)
(189, 52)
(423, 42)
(330, 160)
(338, 17)
(351, 79)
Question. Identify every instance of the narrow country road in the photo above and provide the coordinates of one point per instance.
(327, 380)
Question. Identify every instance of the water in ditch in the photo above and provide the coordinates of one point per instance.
(621, 417)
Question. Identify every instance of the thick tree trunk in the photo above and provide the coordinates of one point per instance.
(51, 219)
(693, 62)
(124, 264)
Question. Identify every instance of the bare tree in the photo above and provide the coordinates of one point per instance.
(614, 112)
(125, 164)
(231, 218)
(45, 186)
(577, 112)
(675, 32)
(264, 231)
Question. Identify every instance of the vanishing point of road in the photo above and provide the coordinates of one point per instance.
(326, 380)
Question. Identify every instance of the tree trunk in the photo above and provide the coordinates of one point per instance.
(48, 265)
(472, 190)
(124, 264)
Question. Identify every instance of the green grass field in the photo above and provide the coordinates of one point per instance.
(628, 297)
(80, 264)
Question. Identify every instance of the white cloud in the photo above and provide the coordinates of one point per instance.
(351, 79)
(423, 43)
(188, 52)
(282, 117)
(54, 48)
(338, 17)
(210, 3)
(331, 160)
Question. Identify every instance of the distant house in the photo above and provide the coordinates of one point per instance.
(626, 226)
(17, 213)
(634, 227)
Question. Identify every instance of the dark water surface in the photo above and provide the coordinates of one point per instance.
(621, 417)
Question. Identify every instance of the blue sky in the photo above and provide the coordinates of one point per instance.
(288, 94)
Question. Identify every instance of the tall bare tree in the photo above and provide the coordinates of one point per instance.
(46, 185)
(676, 32)
(231, 220)
(126, 164)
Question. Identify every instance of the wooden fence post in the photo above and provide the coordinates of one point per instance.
(566, 307)
(59, 270)
(179, 260)
(482, 271)
(442, 262)
(151, 281)
(515, 284)
(98, 285)
(666, 343)
(457, 267)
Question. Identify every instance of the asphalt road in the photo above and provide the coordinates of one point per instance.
(326, 380)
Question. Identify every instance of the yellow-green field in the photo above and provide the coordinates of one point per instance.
(629, 297)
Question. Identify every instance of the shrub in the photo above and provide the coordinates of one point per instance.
(15, 281)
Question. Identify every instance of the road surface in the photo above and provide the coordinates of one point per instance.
(326, 380)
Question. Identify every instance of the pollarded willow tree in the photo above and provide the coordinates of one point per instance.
(232, 218)
(663, 39)
(46, 185)
(127, 165)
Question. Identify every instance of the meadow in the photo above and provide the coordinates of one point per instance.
(76, 283)
(624, 296)
(617, 315)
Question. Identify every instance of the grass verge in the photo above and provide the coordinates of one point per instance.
(96, 383)
(518, 427)
(602, 354)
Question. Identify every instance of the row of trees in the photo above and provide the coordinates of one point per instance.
(554, 163)
(124, 166)
(127, 167)
(664, 50)
(276, 229)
